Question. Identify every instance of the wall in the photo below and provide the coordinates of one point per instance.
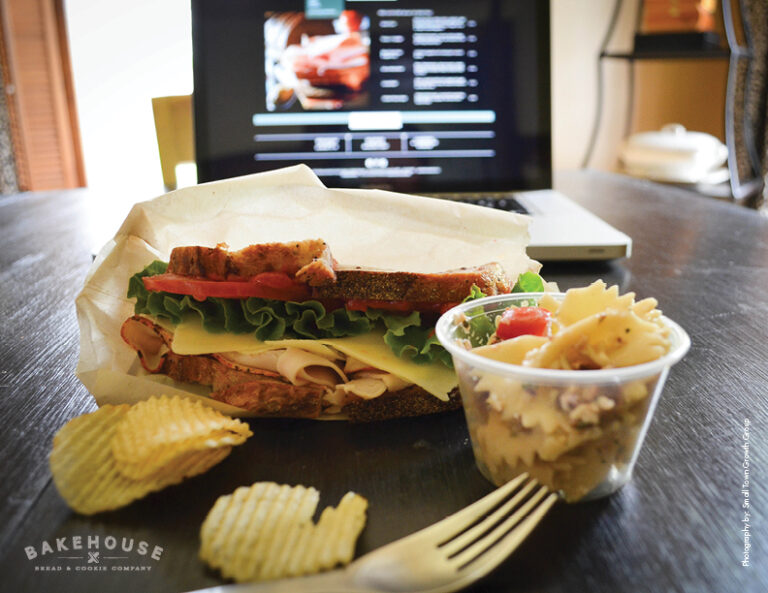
(578, 30)
(636, 97)
(124, 53)
(689, 92)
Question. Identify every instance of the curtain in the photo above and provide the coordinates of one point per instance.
(8, 182)
(752, 151)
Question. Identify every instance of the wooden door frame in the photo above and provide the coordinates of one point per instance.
(34, 56)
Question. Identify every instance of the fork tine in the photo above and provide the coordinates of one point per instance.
(502, 534)
(454, 524)
(512, 540)
(464, 539)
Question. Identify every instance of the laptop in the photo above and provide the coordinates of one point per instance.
(447, 98)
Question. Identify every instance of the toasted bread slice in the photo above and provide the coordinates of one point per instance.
(270, 399)
(309, 261)
(446, 287)
(407, 402)
(274, 399)
(264, 394)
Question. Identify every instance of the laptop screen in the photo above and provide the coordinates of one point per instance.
(418, 96)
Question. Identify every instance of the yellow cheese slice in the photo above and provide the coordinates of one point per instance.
(435, 378)
(189, 337)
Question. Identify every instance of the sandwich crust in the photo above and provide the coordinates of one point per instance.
(444, 287)
(309, 261)
(411, 401)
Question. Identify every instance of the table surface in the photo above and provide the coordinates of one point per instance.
(677, 526)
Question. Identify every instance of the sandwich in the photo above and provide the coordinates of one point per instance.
(284, 330)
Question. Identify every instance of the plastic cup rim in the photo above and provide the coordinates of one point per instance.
(681, 343)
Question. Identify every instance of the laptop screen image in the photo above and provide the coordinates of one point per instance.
(417, 96)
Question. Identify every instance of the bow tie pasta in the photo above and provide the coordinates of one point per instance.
(595, 328)
(570, 435)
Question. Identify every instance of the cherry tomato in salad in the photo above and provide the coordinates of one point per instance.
(520, 321)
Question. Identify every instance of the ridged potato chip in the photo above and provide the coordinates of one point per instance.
(337, 531)
(265, 531)
(86, 473)
(158, 430)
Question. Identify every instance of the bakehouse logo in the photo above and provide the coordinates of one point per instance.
(93, 553)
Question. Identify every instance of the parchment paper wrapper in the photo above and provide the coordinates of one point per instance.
(370, 228)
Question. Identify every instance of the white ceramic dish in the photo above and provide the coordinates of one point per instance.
(674, 154)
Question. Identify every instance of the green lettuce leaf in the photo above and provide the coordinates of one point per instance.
(529, 282)
(418, 345)
(474, 294)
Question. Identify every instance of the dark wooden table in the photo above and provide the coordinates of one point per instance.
(678, 525)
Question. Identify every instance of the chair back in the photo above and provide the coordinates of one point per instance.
(174, 126)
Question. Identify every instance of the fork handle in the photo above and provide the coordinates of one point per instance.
(335, 581)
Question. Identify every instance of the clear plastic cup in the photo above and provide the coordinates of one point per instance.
(578, 432)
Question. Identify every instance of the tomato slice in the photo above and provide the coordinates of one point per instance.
(268, 285)
(520, 321)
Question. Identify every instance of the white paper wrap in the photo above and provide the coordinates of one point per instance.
(370, 228)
